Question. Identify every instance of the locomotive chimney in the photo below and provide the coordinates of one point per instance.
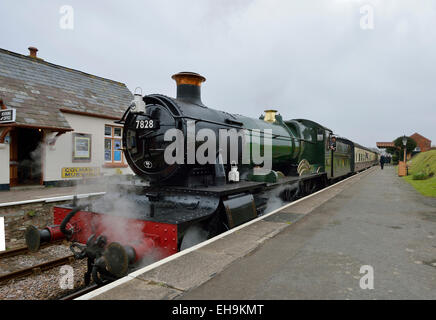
(189, 86)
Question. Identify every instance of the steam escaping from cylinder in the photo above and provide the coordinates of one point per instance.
(194, 235)
(121, 217)
(280, 196)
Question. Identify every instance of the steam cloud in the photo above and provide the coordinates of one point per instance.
(120, 211)
(275, 201)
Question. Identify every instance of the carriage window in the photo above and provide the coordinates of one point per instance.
(320, 135)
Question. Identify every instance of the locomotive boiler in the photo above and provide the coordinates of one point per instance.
(198, 173)
(146, 123)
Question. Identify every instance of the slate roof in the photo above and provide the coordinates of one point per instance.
(39, 89)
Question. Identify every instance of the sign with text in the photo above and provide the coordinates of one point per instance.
(80, 172)
(7, 115)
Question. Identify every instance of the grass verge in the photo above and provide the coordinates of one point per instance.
(424, 162)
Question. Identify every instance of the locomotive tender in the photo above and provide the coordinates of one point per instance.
(177, 202)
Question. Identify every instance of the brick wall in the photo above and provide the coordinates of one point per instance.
(19, 217)
(422, 142)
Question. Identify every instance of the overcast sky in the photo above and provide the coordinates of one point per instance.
(306, 58)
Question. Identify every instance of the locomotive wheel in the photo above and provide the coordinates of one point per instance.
(314, 186)
(289, 194)
(309, 187)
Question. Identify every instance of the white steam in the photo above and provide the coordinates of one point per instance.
(194, 235)
(29, 168)
(275, 201)
(122, 215)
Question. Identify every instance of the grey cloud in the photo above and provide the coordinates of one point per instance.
(308, 59)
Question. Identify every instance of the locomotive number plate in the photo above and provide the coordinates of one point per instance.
(147, 124)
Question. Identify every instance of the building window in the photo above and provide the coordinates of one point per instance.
(81, 147)
(112, 145)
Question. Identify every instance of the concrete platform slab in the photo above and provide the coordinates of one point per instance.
(137, 289)
(238, 245)
(263, 229)
(189, 271)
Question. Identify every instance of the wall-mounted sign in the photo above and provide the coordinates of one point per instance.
(81, 147)
(80, 172)
(8, 115)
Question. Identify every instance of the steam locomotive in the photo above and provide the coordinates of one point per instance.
(178, 196)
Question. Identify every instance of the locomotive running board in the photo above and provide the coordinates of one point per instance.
(222, 190)
(294, 179)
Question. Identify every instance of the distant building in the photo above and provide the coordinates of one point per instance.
(384, 145)
(422, 143)
(57, 124)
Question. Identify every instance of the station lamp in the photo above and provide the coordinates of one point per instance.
(404, 144)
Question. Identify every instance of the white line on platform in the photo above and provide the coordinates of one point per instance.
(136, 273)
(2, 234)
(52, 199)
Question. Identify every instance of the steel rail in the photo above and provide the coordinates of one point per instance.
(23, 250)
(80, 292)
(37, 269)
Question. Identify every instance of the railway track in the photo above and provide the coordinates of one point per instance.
(37, 269)
(80, 292)
(41, 267)
(23, 250)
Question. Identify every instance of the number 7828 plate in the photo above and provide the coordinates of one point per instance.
(147, 124)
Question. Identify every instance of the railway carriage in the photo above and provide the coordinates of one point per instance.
(364, 157)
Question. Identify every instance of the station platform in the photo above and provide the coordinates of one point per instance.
(19, 195)
(313, 248)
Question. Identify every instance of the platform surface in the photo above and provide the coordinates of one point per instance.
(311, 250)
(25, 194)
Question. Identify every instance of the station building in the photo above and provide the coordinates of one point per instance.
(422, 143)
(57, 125)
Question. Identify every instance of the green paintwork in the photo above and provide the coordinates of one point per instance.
(285, 146)
(294, 141)
(313, 142)
(342, 158)
(270, 177)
